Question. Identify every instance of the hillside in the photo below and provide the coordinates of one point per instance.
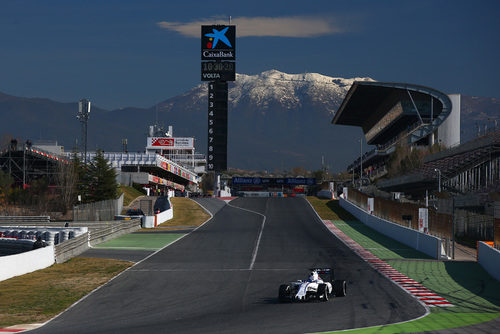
(276, 121)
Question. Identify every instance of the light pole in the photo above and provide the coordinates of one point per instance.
(439, 178)
(83, 117)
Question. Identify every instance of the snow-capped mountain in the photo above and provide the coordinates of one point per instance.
(274, 88)
(276, 120)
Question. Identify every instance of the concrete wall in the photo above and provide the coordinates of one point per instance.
(103, 210)
(128, 179)
(424, 243)
(160, 218)
(27, 262)
(489, 258)
(449, 131)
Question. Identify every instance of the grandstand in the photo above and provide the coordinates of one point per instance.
(154, 171)
(393, 113)
(471, 167)
(149, 169)
(26, 164)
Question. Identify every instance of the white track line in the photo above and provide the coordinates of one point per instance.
(128, 269)
(256, 248)
(210, 270)
(427, 308)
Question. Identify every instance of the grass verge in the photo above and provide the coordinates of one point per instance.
(433, 322)
(141, 241)
(475, 294)
(37, 297)
(187, 213)
(129, 194)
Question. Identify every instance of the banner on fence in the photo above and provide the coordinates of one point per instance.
(423, 220)
(370, 205)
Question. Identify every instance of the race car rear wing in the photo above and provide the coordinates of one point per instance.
(323, 271)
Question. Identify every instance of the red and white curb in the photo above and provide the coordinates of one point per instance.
(414, 288)
(227, 199)
(15, 330)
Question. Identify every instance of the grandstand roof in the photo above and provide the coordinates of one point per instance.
(385, 109)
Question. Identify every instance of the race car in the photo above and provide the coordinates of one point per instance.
(320, 285)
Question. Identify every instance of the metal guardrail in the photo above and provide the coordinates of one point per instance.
(98, 232)
(76, 246)
(70, 248)
(115, 230)
(24, 219)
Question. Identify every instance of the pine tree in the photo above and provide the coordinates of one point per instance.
(101, 180)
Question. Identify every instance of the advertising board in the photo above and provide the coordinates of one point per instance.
(423, 220)
(290, 181)
(170, 143)
(218, 42)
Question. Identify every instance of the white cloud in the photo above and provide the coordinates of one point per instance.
(292, 26)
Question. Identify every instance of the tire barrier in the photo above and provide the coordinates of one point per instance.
(51, 235)
(11, 246)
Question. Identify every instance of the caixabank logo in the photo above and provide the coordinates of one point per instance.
(218, 42)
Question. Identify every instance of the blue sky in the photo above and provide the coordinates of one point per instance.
(137, 53)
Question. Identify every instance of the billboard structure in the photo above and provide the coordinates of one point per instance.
(218, 54)
(170, 143)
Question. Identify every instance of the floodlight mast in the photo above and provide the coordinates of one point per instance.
(83, 117)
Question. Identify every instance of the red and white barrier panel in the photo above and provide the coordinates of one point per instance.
(414, 288)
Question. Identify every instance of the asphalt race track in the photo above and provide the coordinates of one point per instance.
(224, 278)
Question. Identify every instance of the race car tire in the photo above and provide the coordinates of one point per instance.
(284, 292)
(340, 288)
(322, 292)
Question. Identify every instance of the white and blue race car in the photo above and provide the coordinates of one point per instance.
(320, 285)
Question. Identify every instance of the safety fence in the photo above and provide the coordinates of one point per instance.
(405, 214)
(428, 244)
(25, 219)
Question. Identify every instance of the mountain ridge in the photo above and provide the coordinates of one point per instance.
(276, 121)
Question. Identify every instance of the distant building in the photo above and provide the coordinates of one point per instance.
(168, 163)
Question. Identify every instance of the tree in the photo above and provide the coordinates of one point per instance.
(101, 180)
(6, 182)
(207, 182)
(67, 179)
(81, 178)
(37, 196)
(299, 171)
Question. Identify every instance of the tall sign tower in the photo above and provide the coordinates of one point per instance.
(218, 46)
